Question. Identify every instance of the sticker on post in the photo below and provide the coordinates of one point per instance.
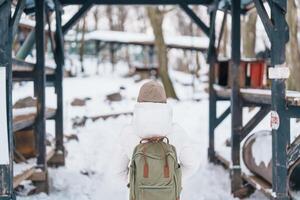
(4, 152)
(279, 72)
(275, 120)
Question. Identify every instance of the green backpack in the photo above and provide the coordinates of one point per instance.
(154, 171)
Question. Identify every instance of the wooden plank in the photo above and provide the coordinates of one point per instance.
(259, 184)
(50, 154)
(38, 176)
(222, 91)
(255, 181)
(25, 143)
(25, 175)
(223, 161)
(104, 117)
(262, 96)
(23, 121)
(139, 2)
(24, 66)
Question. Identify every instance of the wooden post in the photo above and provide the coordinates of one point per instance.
(236, 100)
(59, 157)
(280, 134)
(6, 136)
(39, 86)
(212, 58)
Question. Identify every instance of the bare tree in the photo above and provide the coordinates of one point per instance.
(109, 15)
(184, 24)
(156, 16)
(224, 41)
(141, 16)
(121, 16)
(249, 35)
(292, 50)
(96, 17)
(82, 43)
(196, 31)
(116, 18)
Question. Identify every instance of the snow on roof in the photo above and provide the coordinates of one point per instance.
(181, 42)
(27, 22)
(30, 23)
(118, 36)
(184, 42)
(188, 41)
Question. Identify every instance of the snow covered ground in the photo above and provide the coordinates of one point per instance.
(86, 174)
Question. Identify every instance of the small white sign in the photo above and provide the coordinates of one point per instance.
(275, 120)
(4, 151)
(279, 72)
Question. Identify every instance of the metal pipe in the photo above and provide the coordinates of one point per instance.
(27, 46)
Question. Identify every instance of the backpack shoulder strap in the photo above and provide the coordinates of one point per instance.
(154, 139)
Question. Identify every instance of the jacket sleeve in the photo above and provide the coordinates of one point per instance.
(120, 165)
(120, 161)
(188, 158)
(188, 161)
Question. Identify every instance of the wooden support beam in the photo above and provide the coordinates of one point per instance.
(27, 46)
(33, 173)
(223, 116)
(212, 58)
(59, 60)
(2, 2)
(6, 135)
(280, 134)
(236, 99)
(137, 2)
(25, 121)
(212, 55)
(195, 18)
(261, 10)
(255, 181)
(254, 121)
(23, 176)
(293, 111)
(17, 16)
(86, 5)
(40, 84)
(224, 24)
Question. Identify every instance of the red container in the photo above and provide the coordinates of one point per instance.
(257, 70)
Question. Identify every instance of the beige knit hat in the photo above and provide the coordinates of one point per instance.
(152, 91)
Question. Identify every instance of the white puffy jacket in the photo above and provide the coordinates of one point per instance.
(149, 120)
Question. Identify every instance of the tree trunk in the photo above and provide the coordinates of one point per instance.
(156, 17)
(110, 18)
(142, 18)
(82, 43)
(122, 15)
(292, 50)
(224, 42)
(96, 18)
(249, 35)
(109, 13)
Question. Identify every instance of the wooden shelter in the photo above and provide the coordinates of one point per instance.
(276, 99)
